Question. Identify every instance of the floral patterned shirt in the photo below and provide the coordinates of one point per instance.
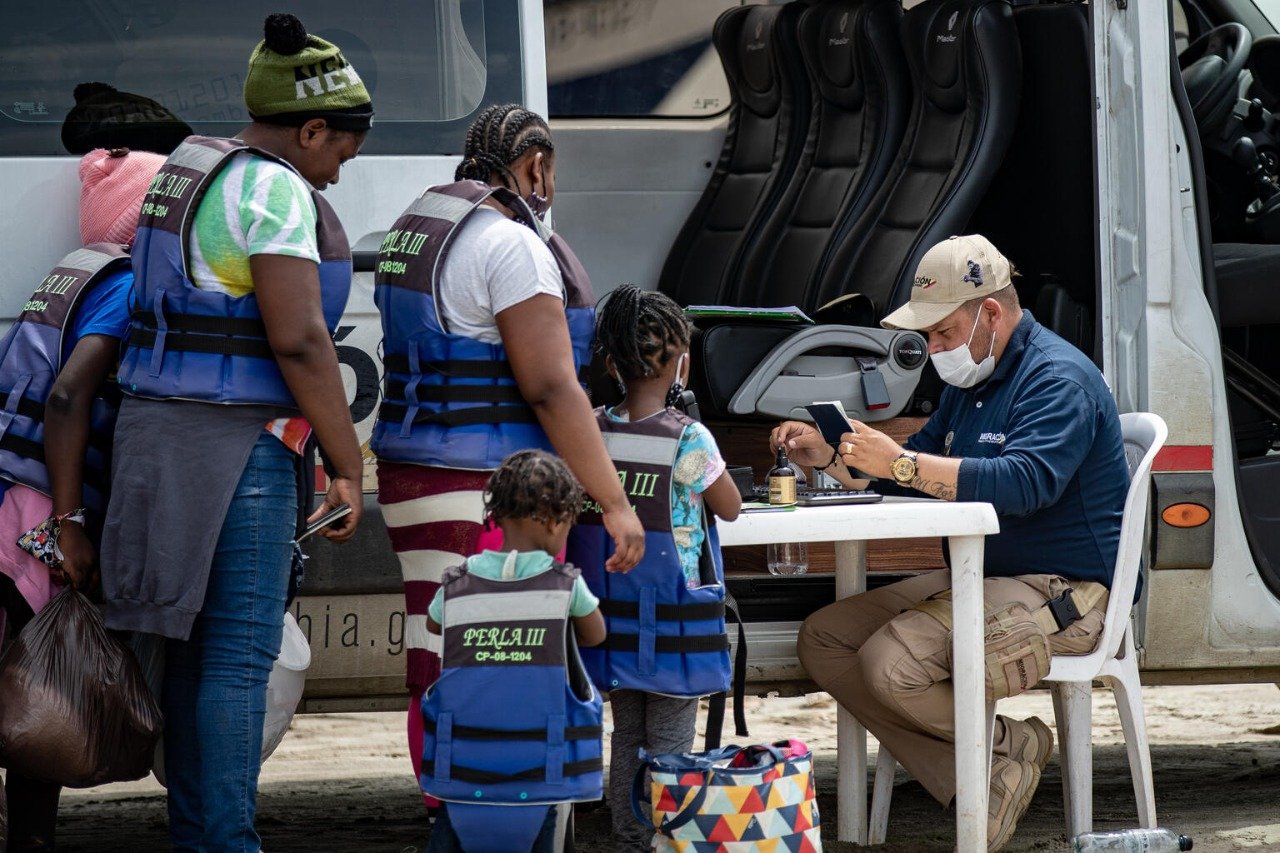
(698, 465)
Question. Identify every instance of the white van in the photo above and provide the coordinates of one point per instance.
(1128, 209)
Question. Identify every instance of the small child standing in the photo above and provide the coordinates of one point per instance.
(667, 644)
(513, 725)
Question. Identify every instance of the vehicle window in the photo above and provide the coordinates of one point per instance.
(1181, 27)
(1271, 9)
(429, 64)
(634, 57)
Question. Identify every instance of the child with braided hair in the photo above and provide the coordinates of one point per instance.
(675, 475)
(513, 695)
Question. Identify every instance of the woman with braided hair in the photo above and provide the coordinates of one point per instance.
(488, 320)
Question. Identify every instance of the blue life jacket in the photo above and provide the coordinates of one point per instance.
(30, 360)
(448, 400)
(663, 636)
(513, 720)
(192, 344)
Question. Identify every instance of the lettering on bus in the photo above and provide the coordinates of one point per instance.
(342, 629)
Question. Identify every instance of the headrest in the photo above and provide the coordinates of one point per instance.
(755, 55)
(945, 39)
(744, 38)
(836, 43)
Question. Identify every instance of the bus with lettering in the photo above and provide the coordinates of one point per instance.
(1144, 153)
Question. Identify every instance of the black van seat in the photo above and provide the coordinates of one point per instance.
(966, 65)
(1040, 208)
(768, 116)
(853, 53)
(1248, 275)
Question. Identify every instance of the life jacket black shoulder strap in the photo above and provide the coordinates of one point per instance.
(715, 705)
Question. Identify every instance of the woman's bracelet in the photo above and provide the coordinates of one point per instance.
(835, 456)
(76, 515)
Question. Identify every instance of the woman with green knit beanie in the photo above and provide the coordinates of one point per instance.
(242, 269)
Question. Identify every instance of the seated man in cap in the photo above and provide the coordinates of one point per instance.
(1028, 425)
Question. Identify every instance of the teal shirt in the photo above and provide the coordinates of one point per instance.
(489, 564)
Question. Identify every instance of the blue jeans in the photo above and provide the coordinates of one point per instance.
(215, 683)
(444, 840)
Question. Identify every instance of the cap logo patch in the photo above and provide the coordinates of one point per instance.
(924, 282)
(974, 276)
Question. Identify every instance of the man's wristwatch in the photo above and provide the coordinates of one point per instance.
(903, 468)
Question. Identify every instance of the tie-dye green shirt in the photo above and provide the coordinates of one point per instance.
(253, 207)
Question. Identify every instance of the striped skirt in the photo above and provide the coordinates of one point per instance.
(433, 516)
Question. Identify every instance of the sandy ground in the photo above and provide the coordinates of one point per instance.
(341, 782)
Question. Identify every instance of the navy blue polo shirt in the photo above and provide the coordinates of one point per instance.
(1040, 441)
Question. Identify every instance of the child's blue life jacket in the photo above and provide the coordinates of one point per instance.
(663, 636)
(513, 719)
(30, 361)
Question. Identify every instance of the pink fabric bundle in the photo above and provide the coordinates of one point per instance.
(21, 509)
(112, 184)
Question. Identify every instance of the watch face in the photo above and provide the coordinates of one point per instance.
(903, 469)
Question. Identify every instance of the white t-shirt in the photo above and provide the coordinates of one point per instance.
(494, 263)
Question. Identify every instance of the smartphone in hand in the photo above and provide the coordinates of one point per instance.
(324, 521)
(831, 420)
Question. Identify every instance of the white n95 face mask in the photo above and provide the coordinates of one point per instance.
(957, 367)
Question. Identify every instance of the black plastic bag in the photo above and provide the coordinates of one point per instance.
(74, 706)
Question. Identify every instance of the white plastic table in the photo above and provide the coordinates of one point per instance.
(965, 525)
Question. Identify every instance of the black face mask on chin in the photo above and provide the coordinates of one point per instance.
(681, 398)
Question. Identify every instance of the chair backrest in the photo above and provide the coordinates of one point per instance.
(966, 69)
(862, 87)
(768, 118)
(1144, 434)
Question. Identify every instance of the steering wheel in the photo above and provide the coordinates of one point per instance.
(1211, 67)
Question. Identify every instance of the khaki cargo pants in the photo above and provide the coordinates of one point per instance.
(890, 665)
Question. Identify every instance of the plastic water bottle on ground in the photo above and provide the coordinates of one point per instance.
(788, 558)
(1132, 841)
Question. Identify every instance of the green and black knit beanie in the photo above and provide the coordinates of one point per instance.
(295, 77)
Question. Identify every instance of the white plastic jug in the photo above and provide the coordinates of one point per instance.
(284, 687)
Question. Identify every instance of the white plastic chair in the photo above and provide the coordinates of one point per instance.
(1114, 662)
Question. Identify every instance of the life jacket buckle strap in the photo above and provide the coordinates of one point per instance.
(648, 636)
(162, 332)
(411, 393)
(555, 749)
(13, 402)
(443, 770)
